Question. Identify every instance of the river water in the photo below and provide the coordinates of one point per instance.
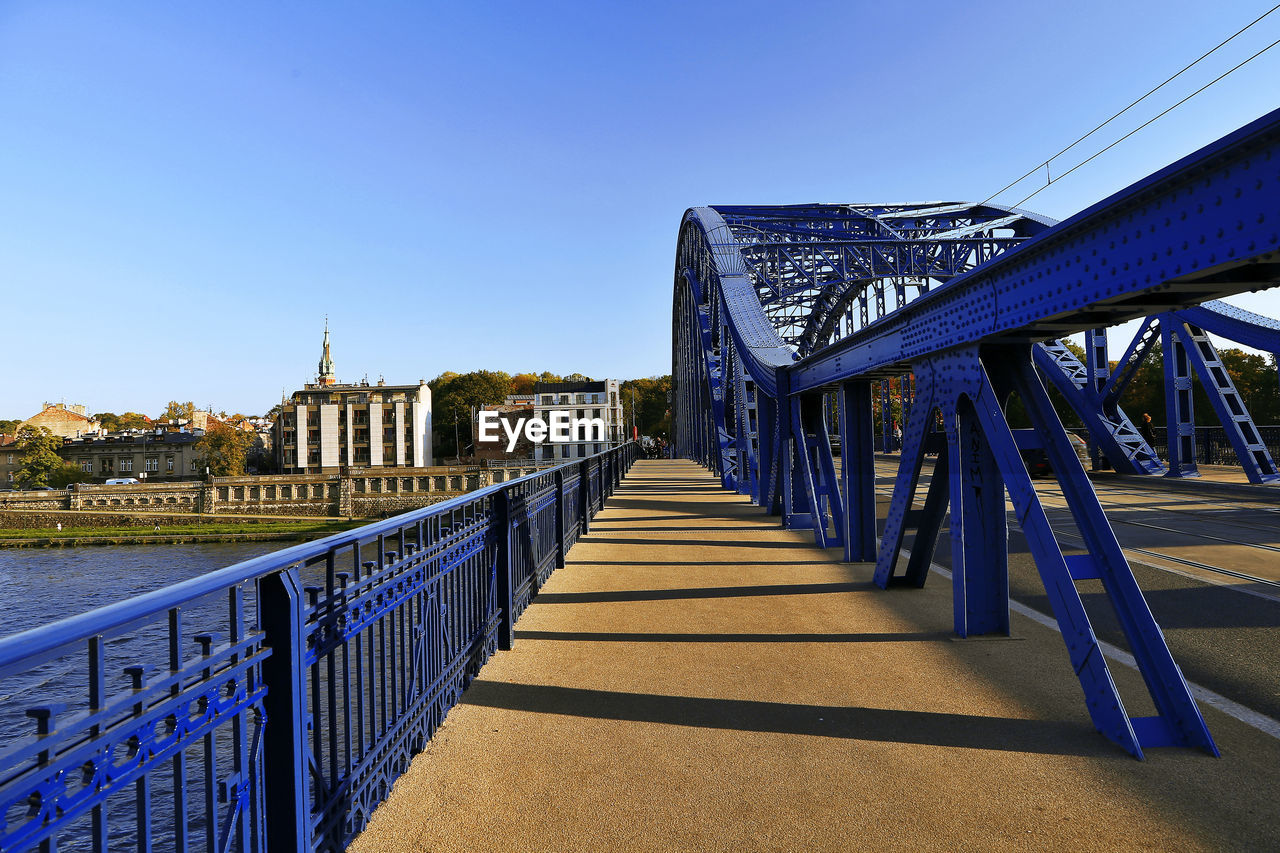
(39, 585)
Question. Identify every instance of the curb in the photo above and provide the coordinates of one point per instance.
(1190, 485)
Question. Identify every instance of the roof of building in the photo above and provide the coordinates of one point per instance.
(358, 386)
(569, 387)
(148, 438)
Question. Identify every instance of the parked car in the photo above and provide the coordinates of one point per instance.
(122, 481)
(1038, 463)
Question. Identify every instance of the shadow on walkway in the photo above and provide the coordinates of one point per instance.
(873, 724)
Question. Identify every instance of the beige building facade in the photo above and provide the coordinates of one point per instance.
(325, 428)
(146, 456)
(65, 421)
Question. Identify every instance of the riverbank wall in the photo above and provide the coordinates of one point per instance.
(353, 494)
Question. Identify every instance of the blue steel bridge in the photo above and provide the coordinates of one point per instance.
(270, 705)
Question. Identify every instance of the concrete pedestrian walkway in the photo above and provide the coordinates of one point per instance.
(698, 679)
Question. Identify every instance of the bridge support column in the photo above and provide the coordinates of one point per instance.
(796, 511)
(979, 531)
(768, 494)
(1180, 419)
(815, 468)
(858, 470)
(904, 487)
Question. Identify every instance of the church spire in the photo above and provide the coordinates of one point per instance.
(326, 376)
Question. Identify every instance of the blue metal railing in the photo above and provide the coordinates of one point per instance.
(270, 705)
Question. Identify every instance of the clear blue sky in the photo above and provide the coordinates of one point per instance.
(186, 190)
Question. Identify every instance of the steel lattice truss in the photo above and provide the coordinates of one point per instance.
(784, 317)
(822, 271)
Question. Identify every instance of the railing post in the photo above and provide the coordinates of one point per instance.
(584, 496)
(501, 520)
(560, 549)
(284, 738)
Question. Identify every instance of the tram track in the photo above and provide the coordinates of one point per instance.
(1270, 589)
(1219, 621)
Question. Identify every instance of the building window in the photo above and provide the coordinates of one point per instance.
(168, 463)
(10, 476)
(153, 463)
(547, 400)
(86, 465)
(10, 458)
(582, 450)
(194, 462)
(126, 463)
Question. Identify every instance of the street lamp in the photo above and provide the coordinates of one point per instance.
(457, 446)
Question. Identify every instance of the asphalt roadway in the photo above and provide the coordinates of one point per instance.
(698, 679)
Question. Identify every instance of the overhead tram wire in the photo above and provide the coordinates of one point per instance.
(1149, 121)
(1045, 164)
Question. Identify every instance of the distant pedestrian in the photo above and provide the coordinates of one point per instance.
(1148, 434)
(59, 526)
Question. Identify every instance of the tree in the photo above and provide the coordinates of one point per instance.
(176, 411)
(68, 474)
(224, 449)
(652, 413)
(8, 426)
(40, 459)
(522, 383)
(454, 399)
(112, 422)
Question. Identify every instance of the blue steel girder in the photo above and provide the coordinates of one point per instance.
(1112, 431)
(1234, 324)
(767, 277)
(1201, 356)
(978, 463)
(1221, 319)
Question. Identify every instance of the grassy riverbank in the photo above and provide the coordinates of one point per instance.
(258, 531)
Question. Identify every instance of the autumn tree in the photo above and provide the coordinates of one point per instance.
(176, 411)
(453, 398)
(40, 459)
(522, 383)
(224, 449)
(68, 474)
(652, 412)
(112, 422)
